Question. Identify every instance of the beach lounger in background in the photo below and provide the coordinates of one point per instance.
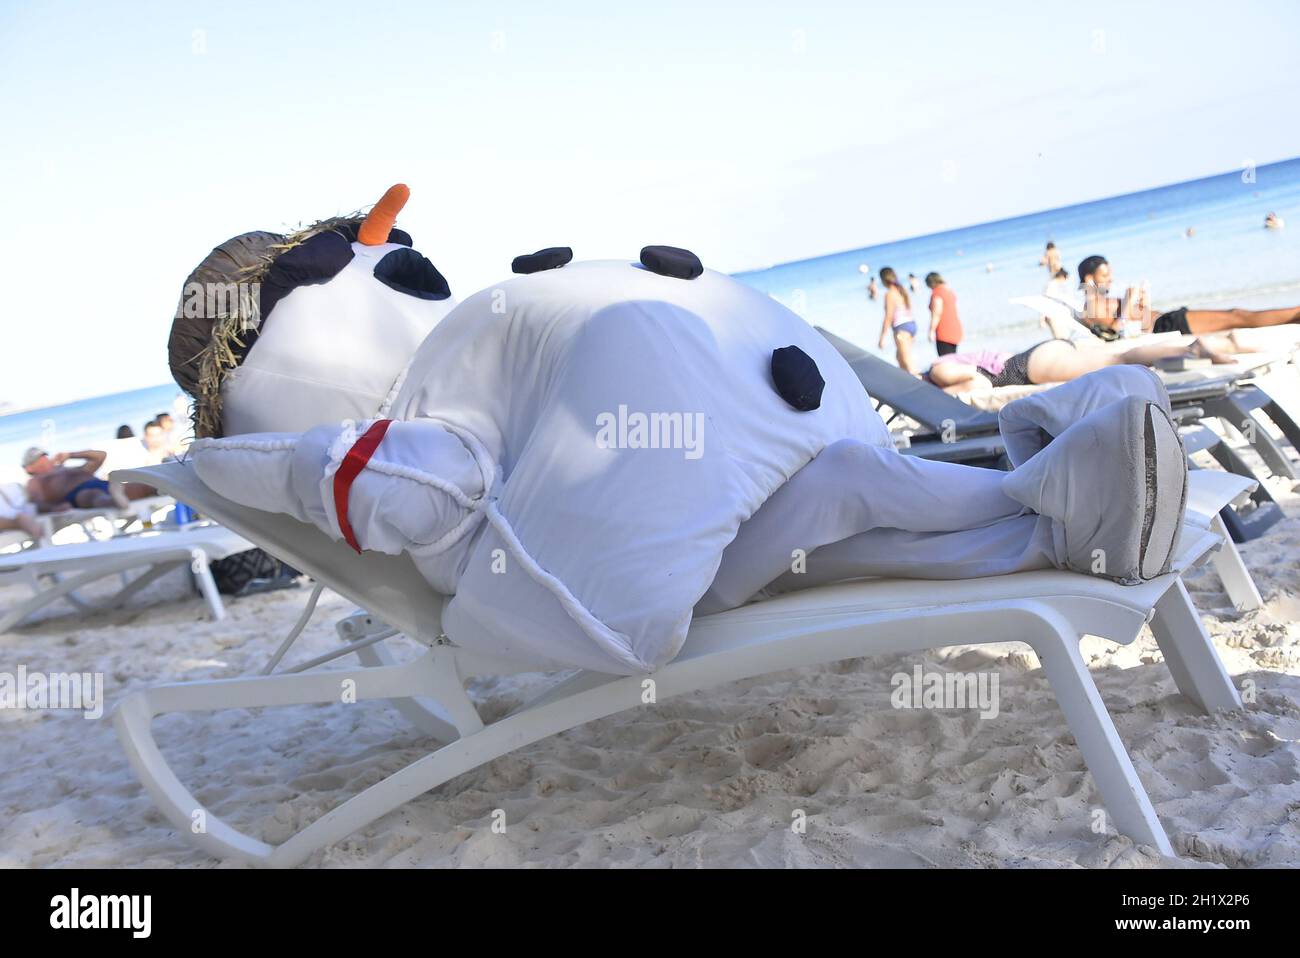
(1241, 524)
(1237, 408)
(1209, 494)
(57, 572)
(1048, 610)
(1245, 410)
(938, 412)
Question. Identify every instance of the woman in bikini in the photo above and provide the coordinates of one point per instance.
(898, 317)
(1054, 361)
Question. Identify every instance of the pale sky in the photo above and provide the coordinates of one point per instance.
(140, 135)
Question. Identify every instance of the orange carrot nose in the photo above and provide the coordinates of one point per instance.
(374, 231)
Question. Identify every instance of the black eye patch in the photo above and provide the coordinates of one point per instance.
(797, 379)
(551, 258)
(671, 261)
(408, 272)
(312, 261)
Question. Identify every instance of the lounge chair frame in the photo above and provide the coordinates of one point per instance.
(1049, 611)
(56, 572)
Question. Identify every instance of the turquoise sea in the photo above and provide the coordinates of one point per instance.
(1230, 260)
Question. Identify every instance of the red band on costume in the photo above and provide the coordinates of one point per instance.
(348, 471)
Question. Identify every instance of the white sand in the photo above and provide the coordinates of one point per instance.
(707, 779)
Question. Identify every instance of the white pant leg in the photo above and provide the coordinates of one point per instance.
(1017, 544)
(852, 488)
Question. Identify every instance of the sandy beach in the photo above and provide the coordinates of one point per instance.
(710, 779)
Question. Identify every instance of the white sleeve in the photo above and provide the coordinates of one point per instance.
(417, 490)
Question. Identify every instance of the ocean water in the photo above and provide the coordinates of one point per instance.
(1231, 260)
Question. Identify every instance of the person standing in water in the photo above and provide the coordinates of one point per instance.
(945, 326)
(898, 318)
(1051, 258)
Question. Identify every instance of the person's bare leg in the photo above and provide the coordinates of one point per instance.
(138, 490)
(118, 493)
(1057, 362)
(954, 378)
(1216, 320)
(1203, 349)
(1150, 355)
(94, 499)
(903, 344)
(1227, 343)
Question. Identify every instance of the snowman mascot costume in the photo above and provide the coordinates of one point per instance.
(590, 454)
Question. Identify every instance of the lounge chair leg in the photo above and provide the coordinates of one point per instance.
(1236, 410)
(1103, 752)
(1284, 421)
(607, 696)
(60, 587)
(1189, 651)
(1231, 461)
(421, 711)
(1271, 451)
(133, 717)
(207, 585)
(139, 582)
(1234, 575)
(40, 582)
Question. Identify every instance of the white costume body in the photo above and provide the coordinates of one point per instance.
(516, 479)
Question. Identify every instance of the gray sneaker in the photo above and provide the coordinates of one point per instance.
(1115, 484)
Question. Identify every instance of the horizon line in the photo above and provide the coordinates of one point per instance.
(1009, 219)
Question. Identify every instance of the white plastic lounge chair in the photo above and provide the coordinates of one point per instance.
(1049, 611)
(1208, 495)
(1237, 408)
(1243, 524)
(56, 572)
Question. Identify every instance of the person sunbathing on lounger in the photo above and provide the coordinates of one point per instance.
(1053, 361)
(54, 487)
(1103, 312)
